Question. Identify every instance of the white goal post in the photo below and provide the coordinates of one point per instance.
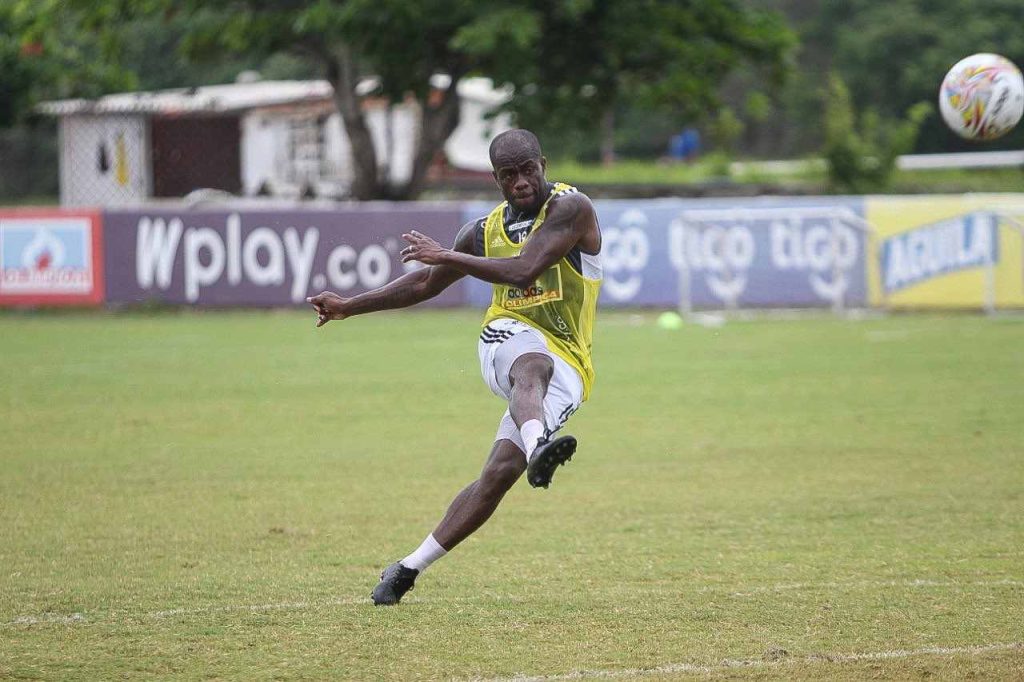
(811, 250)
(1012, 217)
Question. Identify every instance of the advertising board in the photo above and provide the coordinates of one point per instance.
(51, 257)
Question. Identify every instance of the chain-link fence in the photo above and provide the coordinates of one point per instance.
(28, 164)
(120, 159)
(104, 160)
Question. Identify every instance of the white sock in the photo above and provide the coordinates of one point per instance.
(426, 554)
(531, 432)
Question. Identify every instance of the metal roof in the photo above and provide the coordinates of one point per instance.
(205, 99)
(234, 97)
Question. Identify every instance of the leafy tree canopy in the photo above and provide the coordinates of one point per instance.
(571, 61)
(60, 61)
(657, 57)
(894, 54)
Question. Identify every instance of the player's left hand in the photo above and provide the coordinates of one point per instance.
(422, 248)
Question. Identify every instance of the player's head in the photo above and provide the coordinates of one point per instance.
(519, 168)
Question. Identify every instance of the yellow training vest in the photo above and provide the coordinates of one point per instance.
(561, 304)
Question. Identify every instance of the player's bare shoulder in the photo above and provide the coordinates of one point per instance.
(570, 202)
(573, 210)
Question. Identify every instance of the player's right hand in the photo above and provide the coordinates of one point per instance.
(329, 306)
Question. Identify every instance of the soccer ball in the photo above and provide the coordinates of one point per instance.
(982, 97)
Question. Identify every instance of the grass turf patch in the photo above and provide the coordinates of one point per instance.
(214, 494)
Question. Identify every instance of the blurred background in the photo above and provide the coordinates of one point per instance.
(357, 99)
(774, 107)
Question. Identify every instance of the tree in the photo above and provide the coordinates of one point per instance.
(599, 58)
(149, 46)
(403, 44)
(570, 60)
(893, 53)
(38, 64)
(862, 158)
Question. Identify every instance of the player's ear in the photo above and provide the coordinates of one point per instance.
(544, 164)
(494, 174)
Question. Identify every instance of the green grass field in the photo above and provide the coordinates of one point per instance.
(813, 178)
(715, 168)
(213, 495)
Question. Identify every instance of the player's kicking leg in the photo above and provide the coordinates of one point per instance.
(530, 376)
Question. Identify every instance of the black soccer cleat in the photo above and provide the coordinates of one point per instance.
(549, 455)
(395, 581)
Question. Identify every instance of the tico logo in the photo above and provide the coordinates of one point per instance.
(822, 246)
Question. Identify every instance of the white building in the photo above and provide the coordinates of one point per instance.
(278, 138)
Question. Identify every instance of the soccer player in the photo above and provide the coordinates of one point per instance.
(540, 249)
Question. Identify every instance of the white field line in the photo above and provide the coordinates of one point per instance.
(63, 619)
(788, 587)
(85, 618)
(120, 614)
(755, 663)
(73, 618)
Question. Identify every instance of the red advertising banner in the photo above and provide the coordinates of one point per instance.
(51, 257)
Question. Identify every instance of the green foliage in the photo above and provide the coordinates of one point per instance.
(801, 176)
(891, 53)
(152, 47)
(862, 158)
(758, 106)
(658, 55)
(513, 27)
(53, 50)
(895, 53)
(29, 162)
(719, 165)
(44, 54)
(726, 130)
(402, 43)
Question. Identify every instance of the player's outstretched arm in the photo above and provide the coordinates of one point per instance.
(409, 289)
(570, 218)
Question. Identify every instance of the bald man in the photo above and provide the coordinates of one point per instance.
(540, 250)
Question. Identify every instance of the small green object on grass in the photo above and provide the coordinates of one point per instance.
(670, 320)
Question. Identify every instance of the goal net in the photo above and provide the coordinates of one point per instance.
(771, 258)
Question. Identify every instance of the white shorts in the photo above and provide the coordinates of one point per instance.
(502, 342)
